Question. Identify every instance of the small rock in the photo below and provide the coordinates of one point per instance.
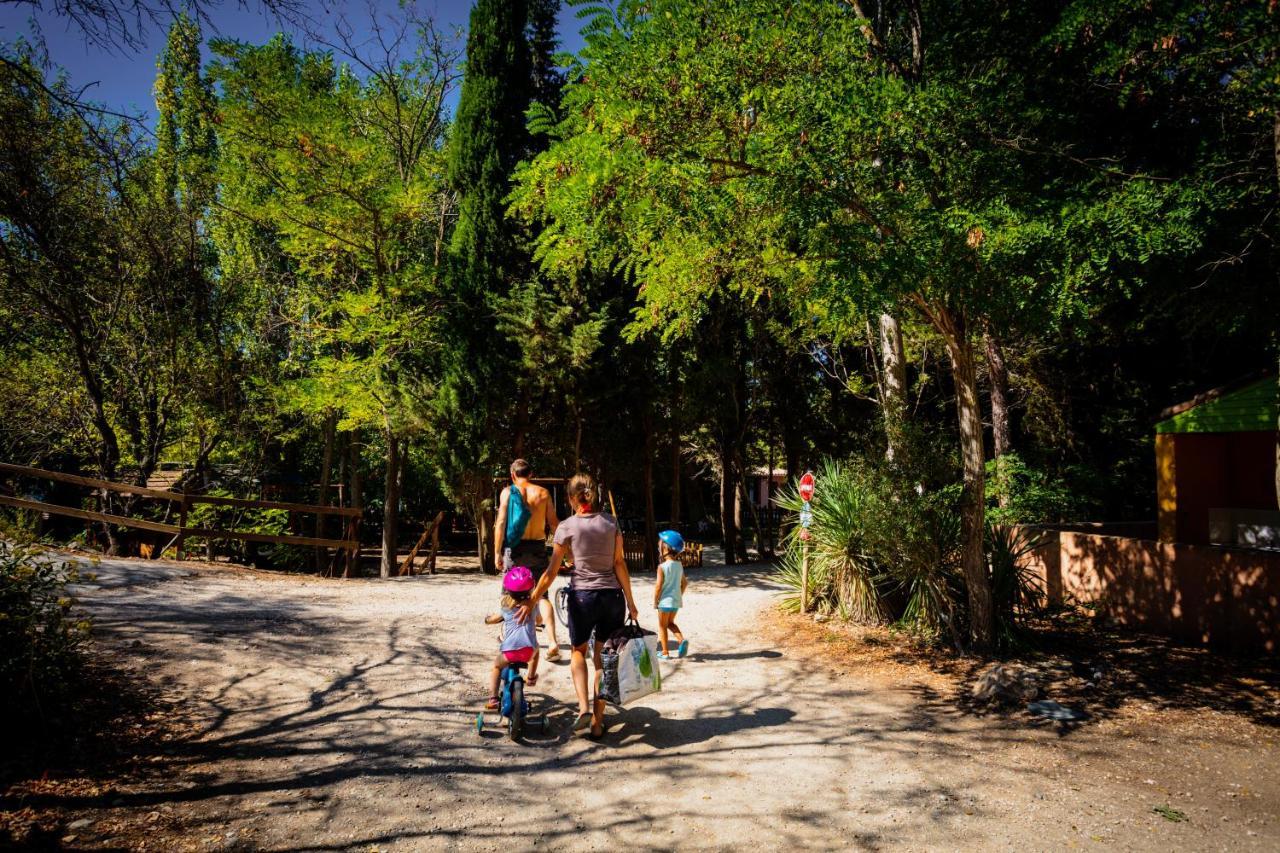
(1006, 685)
(79, 824)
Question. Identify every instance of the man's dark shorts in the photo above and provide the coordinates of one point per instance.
(533, 555)
(600, 610)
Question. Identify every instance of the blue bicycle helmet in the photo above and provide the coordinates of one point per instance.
(672, 539)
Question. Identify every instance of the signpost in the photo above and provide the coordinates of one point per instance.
(806, 518)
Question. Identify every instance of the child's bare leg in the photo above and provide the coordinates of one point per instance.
(498, 664)
(533, 664)
(663, 619)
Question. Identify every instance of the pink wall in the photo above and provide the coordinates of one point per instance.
(1228, 598)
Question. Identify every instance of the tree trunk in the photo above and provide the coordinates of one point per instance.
(728, 527)
(326, 465)
(577, 440)
(999, 382)
(357, 488)
(650, 516)
(391, 508)
(485, 543)
(745, 497)
(771, 538)
(675, 481)
(109, 451)
(973, 499)
(894, 404)
(999, 394)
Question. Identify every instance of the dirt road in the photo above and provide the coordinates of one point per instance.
(338, 715)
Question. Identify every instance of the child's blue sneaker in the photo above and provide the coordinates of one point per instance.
(683, 649)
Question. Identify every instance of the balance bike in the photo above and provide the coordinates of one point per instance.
(512, 706)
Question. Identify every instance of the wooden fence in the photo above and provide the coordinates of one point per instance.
(181, 531)
(633, 551)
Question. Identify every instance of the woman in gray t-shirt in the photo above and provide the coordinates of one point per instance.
(599, 594)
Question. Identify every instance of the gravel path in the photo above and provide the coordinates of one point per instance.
(338, 715)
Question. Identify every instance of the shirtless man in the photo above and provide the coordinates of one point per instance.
(531, 549)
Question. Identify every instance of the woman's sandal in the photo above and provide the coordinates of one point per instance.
(596, 735)
(492, 704)
(583, 722)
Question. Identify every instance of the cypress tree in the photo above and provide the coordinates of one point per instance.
(489, 253)
(489, 138)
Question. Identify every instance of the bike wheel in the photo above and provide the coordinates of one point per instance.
(517, 708)
(562, 605)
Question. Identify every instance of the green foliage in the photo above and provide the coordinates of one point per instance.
(270, 522)
(1030, 495)
(186, 142)
(41, 639)
(1016, 590)
(882, 549)
(344, 177)
(101, 278)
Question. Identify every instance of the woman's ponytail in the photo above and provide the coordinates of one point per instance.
(582, 492)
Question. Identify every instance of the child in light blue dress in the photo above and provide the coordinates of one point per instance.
(668, 593)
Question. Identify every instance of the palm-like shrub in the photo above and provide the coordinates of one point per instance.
(1016, 591)
(843, 574)
(885, 547)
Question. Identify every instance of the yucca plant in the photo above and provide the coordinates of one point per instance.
(1016, 590)
(843, 576)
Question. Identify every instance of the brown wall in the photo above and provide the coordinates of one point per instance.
(1228, 598)
(1230, 469)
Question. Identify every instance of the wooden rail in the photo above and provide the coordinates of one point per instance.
(181, 531)
(633, 552)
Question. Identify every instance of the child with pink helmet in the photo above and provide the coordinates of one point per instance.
(518, 642)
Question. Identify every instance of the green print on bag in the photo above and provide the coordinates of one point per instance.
(644, 663)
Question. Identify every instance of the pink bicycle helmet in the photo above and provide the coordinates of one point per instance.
(517, 579)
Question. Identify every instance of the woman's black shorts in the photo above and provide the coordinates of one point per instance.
(600, 610)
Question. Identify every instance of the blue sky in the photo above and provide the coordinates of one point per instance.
(122, 78)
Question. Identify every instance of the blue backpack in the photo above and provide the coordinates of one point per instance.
(518, 515)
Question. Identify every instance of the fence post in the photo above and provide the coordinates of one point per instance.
(182, 526)
(804, 577)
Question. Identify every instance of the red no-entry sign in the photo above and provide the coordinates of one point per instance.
(806, 487)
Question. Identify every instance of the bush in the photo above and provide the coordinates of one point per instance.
(1016, 591)
(1031, 495)
(272, 522)
(40, 639)
(885, 547)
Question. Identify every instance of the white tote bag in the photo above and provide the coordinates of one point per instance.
(630, 665)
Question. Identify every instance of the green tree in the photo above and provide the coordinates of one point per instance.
(489, 385)
(345, 171)
(99, 260)
(850, 160)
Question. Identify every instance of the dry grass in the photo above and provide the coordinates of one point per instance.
(1143, 677)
